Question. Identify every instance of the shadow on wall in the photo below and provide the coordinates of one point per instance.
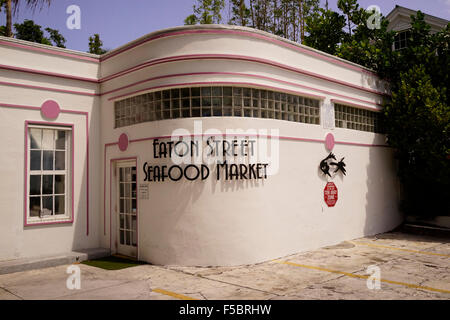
(383, 192)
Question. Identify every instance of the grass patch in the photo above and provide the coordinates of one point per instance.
(113, 263)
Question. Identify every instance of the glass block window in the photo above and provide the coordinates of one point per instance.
(48, 172)
(401, 40)
(357, 119)
(216, 102)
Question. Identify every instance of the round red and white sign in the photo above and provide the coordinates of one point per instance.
(330, 194)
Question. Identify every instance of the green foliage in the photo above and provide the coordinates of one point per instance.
(417, 118)
(350, 8)
(325, 30)
(95, 45)
(56, 37)
(30, 31)
(206, 12)
(417, 122)
(240, 13)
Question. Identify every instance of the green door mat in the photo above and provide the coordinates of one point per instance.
(113, 263)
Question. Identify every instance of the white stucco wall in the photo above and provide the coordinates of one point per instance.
(24, 83)
(227, 222)
(202, 222)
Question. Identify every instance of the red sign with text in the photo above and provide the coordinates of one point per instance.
(330, 194)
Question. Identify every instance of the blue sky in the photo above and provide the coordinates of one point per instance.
(119, 22)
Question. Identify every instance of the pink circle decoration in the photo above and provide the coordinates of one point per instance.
(329, 142)
(123, 142)
(50, 109)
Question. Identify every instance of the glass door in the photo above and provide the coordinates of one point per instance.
(127, 209)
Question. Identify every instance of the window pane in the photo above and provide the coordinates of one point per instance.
(60, 184)
(134, 242)
(227, 91)
(133, 189)
(47, 184)
(35, 185)
(35, 206)
(60, 160)
(128, 174)
(122, 205)
(59, 205)
(127, 222)
(35, 160)
(35, 138)
(47, 205)
(122, 221)
(121, 237)
(48, 160)
(47, 139)
(195, 92)
(61, 140)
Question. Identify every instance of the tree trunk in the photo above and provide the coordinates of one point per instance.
(8, 19)
(241, 12)
(302, 21)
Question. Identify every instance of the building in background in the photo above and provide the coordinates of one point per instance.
(400, 22)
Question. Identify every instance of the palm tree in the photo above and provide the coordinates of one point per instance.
(32, 4)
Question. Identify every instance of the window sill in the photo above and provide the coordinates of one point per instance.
(47, 221)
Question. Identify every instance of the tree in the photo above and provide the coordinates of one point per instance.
(348, 7)
(3, 31)
(56, 37)
(95, 45)
(32, 4)
(30, 31)
(417, 121)
(240, 13)
(306, 9)
(325, 30)
(206, 12)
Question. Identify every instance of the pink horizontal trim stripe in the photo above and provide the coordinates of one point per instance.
(243, 33)
(46, 73)
(47, 88)
(48, 51)
(237, 74)
(247, 135)
(240, 58)
(18, 106)
(354, 105)
(218, 82)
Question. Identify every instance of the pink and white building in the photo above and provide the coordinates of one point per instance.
(81, 160)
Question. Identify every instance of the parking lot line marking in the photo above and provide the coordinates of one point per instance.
(173, 294)
(410, 285)
(400, 249)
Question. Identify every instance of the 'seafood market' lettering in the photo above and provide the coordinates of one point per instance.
(192, 172)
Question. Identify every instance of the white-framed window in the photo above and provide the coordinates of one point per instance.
(401, 40)
(50, 173)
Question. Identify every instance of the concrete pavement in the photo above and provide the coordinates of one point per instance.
(410, 267)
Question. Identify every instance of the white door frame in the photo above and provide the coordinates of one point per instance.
(125, 207)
